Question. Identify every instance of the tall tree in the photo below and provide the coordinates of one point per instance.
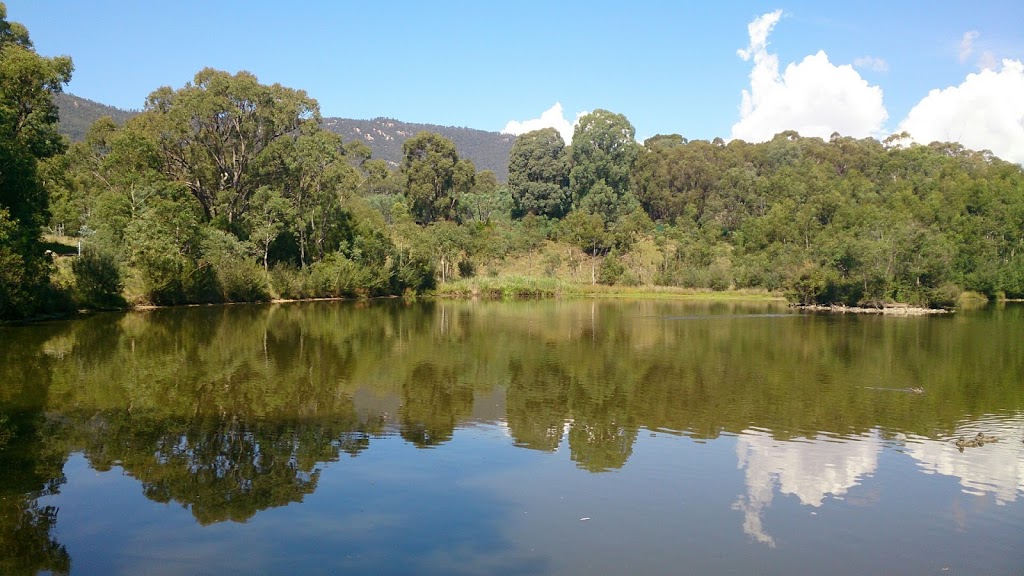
(604, 149)
(28, 133)
(215, 132)
(434, 177)
(538, 174)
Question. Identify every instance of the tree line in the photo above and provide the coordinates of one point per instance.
(227, 189)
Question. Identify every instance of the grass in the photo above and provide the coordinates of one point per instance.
(518, 286)
(514, 286)
(60, 245)
(675, 293)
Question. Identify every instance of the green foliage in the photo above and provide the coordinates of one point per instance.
(435, 177)
(98, 281)
(237, 277)
(218, 131)
(603, 150)
(586, 231)
(412, 272)
(165, 252)
(28, 134)
(539, 174)
(486, 201)
(611, 270)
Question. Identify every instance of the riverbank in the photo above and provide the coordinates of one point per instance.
(532, 287)
(527, 287)
(887, 310)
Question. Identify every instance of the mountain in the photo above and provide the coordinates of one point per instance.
(78, 114)
(385, 136)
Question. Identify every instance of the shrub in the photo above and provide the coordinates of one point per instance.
(98, 281)
(238, 277)
(611, 271)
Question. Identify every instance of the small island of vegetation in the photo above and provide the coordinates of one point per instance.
(229, 190)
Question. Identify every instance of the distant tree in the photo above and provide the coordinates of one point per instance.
(434, 177)
(603, 150)
(488, 199)
(539, 174)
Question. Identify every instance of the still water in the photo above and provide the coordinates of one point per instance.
(551, 437)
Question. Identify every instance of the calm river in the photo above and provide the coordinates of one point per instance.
(540, 437)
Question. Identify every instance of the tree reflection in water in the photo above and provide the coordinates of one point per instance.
(232, 410)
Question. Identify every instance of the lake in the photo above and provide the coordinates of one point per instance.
(526, 437)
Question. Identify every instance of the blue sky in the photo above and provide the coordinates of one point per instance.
(668, 66)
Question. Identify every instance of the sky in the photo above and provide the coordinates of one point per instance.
(940, 70)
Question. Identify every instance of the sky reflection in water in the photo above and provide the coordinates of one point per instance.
(550, 437)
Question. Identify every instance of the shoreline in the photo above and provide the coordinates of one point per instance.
(887, 310)
(532, 288)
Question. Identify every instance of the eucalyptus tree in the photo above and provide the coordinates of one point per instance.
(538, 174)
(216, 131)
(435, 177)
(314, 174)
(604, 149)
(28, 133)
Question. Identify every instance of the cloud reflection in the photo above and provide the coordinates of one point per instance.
(995, 468)
(807, 469)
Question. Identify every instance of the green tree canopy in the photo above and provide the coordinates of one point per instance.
(435, 177)
(604, 149)
(538, 174)
(215, 131)
(28, 133)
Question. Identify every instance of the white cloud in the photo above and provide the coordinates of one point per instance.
(985, 112)
(813, 97)
(758, 31)
(967, 44)
(553, 117)
(987, 61)
(871, 63)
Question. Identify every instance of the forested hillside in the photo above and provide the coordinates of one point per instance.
(384, 136)
(227, 189)
(78, 114)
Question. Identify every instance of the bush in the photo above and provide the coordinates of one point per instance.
(238, 277)
(287, 281)
(467, 269)
(412, 272)
(611, 271)
(98, 281)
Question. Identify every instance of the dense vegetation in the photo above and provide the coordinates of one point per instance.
(230, 190)
(384, 136)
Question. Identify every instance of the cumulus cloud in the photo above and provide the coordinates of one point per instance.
(871, 63)
(553, 117)
(967, 44)
(985, 112)
(813, 97)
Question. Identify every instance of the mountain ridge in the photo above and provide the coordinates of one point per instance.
(385, 136)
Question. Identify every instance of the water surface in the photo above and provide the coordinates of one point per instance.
(551, 437)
